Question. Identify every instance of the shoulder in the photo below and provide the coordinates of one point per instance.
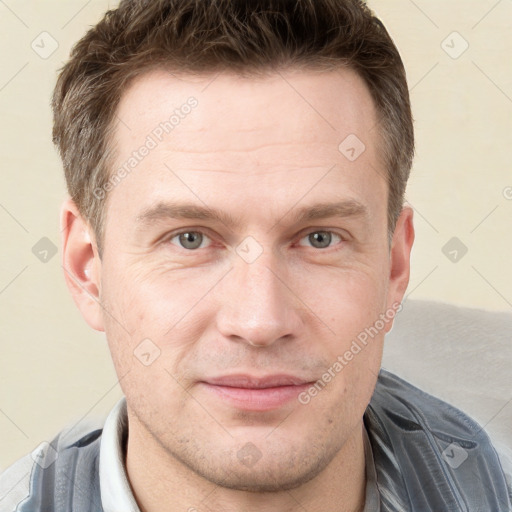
(428, 443)
(505, 456)
(395, 396)
(40, 479)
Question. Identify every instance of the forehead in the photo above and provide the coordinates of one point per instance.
(330, 104)
(256, 135)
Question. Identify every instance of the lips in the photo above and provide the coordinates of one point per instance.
(251, 382)
(251, 393)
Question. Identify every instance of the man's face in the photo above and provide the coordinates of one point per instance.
(263, 293)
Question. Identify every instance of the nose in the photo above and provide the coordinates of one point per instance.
(257, 304)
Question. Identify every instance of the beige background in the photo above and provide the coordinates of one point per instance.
(55, 371)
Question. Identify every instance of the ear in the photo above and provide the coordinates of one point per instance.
(400, 259)
(81, 264)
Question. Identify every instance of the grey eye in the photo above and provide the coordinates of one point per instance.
(190, 239)
(321, 239)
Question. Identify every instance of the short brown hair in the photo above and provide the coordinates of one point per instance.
(198, 36)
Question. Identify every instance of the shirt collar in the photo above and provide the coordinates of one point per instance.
(372, 496)
(116, 493)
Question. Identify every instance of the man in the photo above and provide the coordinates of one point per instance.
(236, 226)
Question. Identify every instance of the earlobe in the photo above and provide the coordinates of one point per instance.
(81, 264)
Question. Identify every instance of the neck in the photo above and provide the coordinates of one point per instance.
(161, 483)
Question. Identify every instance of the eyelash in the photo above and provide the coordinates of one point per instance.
(177, 234)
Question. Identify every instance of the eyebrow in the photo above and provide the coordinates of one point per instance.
(172, 210)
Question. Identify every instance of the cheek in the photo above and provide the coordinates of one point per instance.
(351, 304)
(158, 312)
(348, 301)
(145, 347)
(152, 299)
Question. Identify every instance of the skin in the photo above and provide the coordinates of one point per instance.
(254, 149)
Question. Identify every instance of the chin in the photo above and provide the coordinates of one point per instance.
(276, 472)
(262, 481)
